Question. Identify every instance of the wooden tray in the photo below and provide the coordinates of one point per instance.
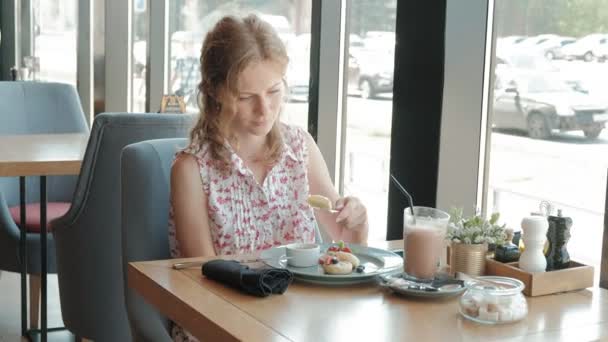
(576, 276)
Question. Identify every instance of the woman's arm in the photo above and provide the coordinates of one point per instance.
(190, 208)
(350, 224)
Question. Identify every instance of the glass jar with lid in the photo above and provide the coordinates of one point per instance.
(494, 300)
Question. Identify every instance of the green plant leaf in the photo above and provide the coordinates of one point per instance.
(494, 218)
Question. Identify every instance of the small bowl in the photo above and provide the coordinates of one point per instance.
(483, 302)
(302, 254)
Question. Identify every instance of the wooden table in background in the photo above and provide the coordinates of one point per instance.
(353, 313)
(39, 155)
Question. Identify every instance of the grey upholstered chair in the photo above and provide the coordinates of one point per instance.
(35, 108)
(88, 237)
(146, 168)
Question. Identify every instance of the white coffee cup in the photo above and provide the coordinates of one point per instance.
(302, 254)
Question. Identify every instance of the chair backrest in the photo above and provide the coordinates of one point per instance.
(146, 168)
(88, 238)
(39, 108)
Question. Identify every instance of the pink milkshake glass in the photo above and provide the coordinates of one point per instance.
(423, 241)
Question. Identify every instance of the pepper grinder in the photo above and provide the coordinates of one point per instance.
(558, 236)
(534, 232)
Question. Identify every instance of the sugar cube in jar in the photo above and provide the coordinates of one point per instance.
(494, 300)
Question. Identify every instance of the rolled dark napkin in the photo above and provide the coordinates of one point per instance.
(259, 282)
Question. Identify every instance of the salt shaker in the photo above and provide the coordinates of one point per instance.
(534, 235)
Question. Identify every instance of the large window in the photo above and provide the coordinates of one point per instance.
(190, 20)
(371, 54)
(54, 38)
(549, 110)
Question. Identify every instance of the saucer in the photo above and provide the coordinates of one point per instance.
(437, 288)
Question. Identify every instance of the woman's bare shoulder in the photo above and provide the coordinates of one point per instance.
(185, 165)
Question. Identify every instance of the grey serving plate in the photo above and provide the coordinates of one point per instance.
(376, 261)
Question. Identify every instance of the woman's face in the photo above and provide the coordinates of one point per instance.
(259, 98)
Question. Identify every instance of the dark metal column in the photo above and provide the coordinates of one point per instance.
(417, 106)
(23, 255)
(43, 270)
(604, 266)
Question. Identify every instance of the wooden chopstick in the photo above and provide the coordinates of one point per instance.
(189, 264)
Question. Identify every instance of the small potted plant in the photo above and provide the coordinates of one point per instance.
(470, 237)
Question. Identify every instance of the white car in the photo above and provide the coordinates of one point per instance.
(601, 50)
(511, 67)
(583, 48)
(541, 104)
(506, 45)
(532, 42)
(552, 48)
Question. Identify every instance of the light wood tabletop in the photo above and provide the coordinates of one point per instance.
(41, 154)
(364, 312)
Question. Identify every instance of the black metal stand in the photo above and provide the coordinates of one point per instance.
(32, 334)
(23, 255)
(43, 268)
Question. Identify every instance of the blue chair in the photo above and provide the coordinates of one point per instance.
(35, 108)
(146, 169)
(88, 238)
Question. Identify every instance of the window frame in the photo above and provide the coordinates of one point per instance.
(466, 118)
(418, 88)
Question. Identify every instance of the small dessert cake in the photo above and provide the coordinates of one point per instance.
(339, 259)
(318, 201)
(341, 267)
(347, 257)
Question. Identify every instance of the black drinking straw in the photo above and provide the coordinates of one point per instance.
(406, 194)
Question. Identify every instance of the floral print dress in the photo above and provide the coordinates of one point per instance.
(245, 216)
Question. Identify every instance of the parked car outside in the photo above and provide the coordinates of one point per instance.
(379, 41)
(298, 76)
(506, 45)
(601, 50)
(583, 48)
(355, 44)
(515, 66)
(540, 104)
(552, 48)
(532, 42)
(375, 72)
(298, 69)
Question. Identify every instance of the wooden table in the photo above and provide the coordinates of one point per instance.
(39, 155)
(355, 313)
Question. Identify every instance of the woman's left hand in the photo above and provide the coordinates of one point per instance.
(352, 213)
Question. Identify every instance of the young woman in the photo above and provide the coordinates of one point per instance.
(242, 184)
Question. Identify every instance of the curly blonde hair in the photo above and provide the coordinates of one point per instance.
(232, 45)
